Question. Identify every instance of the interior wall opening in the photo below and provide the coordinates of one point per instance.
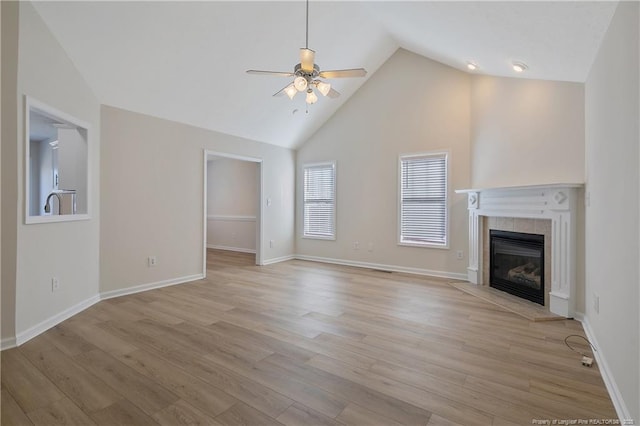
(232, 205)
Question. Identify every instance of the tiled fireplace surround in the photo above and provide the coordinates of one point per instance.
(549, 210)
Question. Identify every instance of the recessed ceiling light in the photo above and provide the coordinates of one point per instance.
(519, 66)
(471, 66)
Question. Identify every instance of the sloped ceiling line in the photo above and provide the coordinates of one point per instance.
(185, 61)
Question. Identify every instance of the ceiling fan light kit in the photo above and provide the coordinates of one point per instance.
(306, 75)
(290, 90)
(300, 83)
(312, 98)
(322, 87)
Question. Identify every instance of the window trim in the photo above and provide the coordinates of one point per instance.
(447, 157)
(335, 200)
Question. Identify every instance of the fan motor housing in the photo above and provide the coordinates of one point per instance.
(297, 70)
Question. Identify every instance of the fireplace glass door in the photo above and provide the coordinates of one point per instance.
(517, 264)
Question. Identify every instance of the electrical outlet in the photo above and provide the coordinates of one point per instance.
(152, 261)
(55, 284)
(356, 245)
(596, 303)
(459, 255)
(272, 243)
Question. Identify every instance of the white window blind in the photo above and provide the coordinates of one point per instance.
(320, 200)
(423, 199)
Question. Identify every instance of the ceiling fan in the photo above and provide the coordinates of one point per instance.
(307, 75)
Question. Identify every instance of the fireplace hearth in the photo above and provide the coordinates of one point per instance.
(516, 264)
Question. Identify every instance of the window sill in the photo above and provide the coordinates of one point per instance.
(318, 237)
(425, 245)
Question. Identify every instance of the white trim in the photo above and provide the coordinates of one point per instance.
(447, 155)
(205, 198)
(7, 343)
(232, 156)
(522, 187)
(25, 336)
(555, 202)
(238, 249)
(614, 392)
(424, 245)
(150, 286)
(318, 237)
(383, 267)
(31, 103)
(260, 217)
(56, 218)
(231, 218)
(51, 322)
(278, 260)
(49, 110)
(334, 166)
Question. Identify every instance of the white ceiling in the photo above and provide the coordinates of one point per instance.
(186, 61)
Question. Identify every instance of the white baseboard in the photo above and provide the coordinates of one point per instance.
(238, 249)
(231, 218)
(277, 260)
(150, 286)
(51, 322)
(25, 336)
(383, 267)
(7, 343)
(614, 392)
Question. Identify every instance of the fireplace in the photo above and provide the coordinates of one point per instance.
(516, 264)
(555, 203)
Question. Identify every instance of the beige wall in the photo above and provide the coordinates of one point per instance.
(68, 251)
(1, 60)
(153, 197)
(232, 202)
(410, 105)
(8, 151)
(529, 132)
(526, 132)
(612, 231)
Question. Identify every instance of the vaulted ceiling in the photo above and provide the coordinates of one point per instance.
(186, 61)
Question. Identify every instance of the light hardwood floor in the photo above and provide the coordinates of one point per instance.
(300, 343)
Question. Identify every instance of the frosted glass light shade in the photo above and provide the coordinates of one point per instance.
(323, 88)
(300, 84)
(290, 90)
(312, 98)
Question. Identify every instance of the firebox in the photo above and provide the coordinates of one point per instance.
(516, 264)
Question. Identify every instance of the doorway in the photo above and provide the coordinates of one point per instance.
(232, 204)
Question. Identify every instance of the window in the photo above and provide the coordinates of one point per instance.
(320, 200)
(423, 200)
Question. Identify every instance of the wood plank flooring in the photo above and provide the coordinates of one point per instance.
(300, 343)
(529, 310)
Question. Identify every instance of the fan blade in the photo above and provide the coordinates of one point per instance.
(333, 93)
(281, 91)
(355, 72)
(307, 56)
(274, 73)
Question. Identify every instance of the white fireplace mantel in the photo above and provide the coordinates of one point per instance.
(557, 202)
